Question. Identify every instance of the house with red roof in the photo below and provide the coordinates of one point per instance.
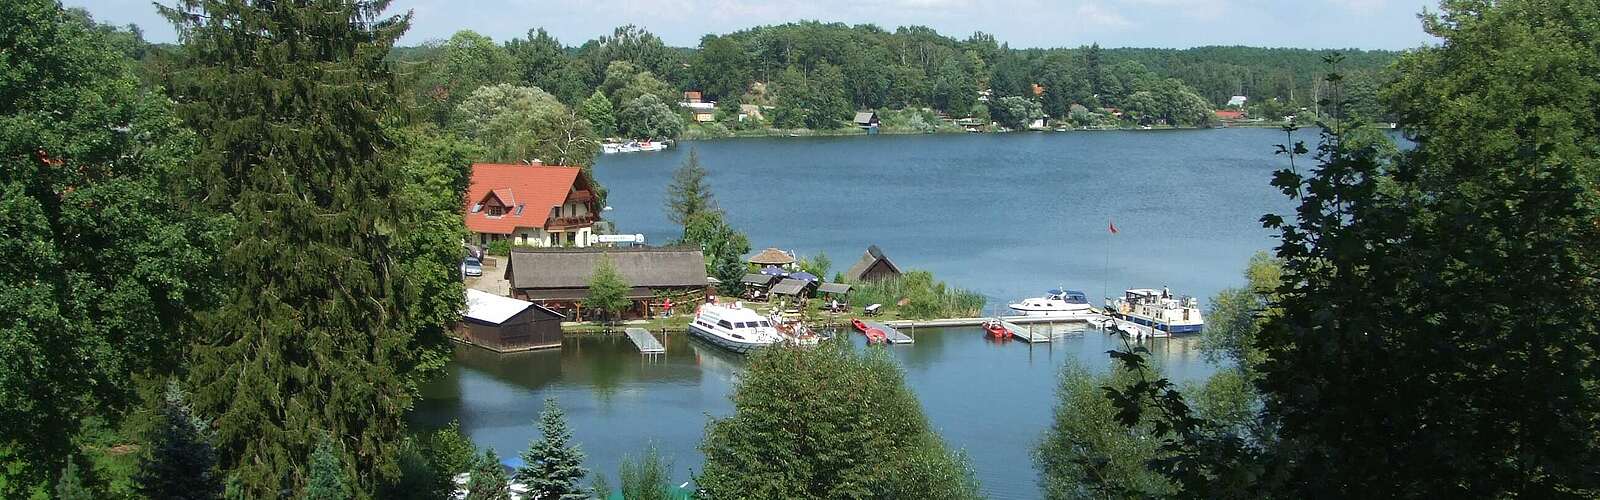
(1229, 114)
(530, 205)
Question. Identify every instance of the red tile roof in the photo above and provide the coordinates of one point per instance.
(1229, 114)
(537, 188)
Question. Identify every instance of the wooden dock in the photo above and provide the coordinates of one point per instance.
(1020, 320)
(646, 342)
(895, 337)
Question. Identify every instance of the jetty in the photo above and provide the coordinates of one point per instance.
(1030, 329)
(646, 342)
(895, 337)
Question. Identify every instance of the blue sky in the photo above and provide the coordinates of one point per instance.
(1366, 24)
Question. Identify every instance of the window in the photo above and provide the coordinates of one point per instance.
(496, 210)
(725, 324)
(477, 207)
(519, 209)
(765, 324)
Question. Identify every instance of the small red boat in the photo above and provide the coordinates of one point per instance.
(874, 335)
(996, 330)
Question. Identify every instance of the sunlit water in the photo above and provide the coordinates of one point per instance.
(1006, 215)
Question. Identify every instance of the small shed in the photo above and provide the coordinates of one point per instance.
(792, 287)
(772, 257)
(504, 324)
(837, 289)
(866, 119)
(872, 266)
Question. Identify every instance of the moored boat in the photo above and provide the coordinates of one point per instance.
(996, 330)
(873, 334)
(733, 327)
(1055, 303)
(1160, 311)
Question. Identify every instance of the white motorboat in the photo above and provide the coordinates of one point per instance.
(1160, 311)
(633, 146)
(733, 327)
(1056, 302)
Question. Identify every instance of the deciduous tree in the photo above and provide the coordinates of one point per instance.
(608, 291)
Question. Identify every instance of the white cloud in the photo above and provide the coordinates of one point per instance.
(1095, 15)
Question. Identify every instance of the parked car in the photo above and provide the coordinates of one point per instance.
(471, 266)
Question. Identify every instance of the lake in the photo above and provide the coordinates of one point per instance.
(1006, 215)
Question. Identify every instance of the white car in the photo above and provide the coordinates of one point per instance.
(471, 266)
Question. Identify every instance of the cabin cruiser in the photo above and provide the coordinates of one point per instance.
(1164, 314)
(733, 327)
(1056, 302)
(632, 146)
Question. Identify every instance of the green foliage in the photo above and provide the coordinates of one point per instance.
(597, 110)
(417, 478)
(599, 487)
(541, 61)
(488, 480)
(816, 100)
(635, 46)
(1015, 112)
(553, 466)
(449, 451)
(1172, 102)
(826, 422)
(178, 460)
(723, 246)
(455, 68)
(721, 68)
(328, 480)
(1088, 452)
(924, 297)
(689, 194)
(608, 292)
(72, 485)
(101, 255)
(817, 265)
(646, 477)
(1235, 315)
(649, 117)
(729, 269)
(324, 310)
(514, 124)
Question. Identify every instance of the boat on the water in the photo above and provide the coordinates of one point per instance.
(995, 329)
(874, 335)
(633, 146)
(1055, 303)
(1160, 311)
(733, 327)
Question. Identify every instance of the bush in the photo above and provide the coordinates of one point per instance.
(925, 298)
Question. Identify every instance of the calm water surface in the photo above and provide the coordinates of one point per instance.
(1007, 215)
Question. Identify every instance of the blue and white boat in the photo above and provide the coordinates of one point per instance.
(1159, 310)
(733, 327)
(1055, 303)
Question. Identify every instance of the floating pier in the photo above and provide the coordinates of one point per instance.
(895, 337)
(646, 342)
(1030, 329)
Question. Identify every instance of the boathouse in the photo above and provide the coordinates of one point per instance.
(558, 278)
(867, 119)
(504, 324)
(873, 266)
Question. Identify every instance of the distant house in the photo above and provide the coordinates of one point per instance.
(749, 111)
(505, 324)
(1229, 114)
(1237, 101)
(1038, 90)
(692, 96)
(866, 119)
(558, 278)
(1117, 112)
(873, 266)
(530, 205)
(703, 115)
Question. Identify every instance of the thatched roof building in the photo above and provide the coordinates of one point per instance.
(559, 277)
(874, 265)
(772, 257)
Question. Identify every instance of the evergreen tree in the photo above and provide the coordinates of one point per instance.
(101, 256)
(488, 480)
(689, 194)
(646, 477)
(327, 481)
(72, 485)
(320, 328)
(552, 468)
(597, 109)
(608, 292)
(178, 460)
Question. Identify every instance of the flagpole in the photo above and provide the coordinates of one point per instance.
(1105, 275)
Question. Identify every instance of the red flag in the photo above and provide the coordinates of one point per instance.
(1111, 226)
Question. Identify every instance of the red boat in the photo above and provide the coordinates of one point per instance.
(874, 335)
(996, 330)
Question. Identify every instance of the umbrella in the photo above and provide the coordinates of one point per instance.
(804, 276)
(774, 271)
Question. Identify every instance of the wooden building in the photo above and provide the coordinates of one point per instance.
(558, 278)
(873, 266)
(504, 324)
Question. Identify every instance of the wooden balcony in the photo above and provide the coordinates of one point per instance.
(562, 223)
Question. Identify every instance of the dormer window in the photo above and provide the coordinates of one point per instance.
(496, 210)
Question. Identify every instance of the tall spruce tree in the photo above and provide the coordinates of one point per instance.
(328, 480)
(72, 485)
(552, 467)
(178, 461)
(318, 332)
(689, 194)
